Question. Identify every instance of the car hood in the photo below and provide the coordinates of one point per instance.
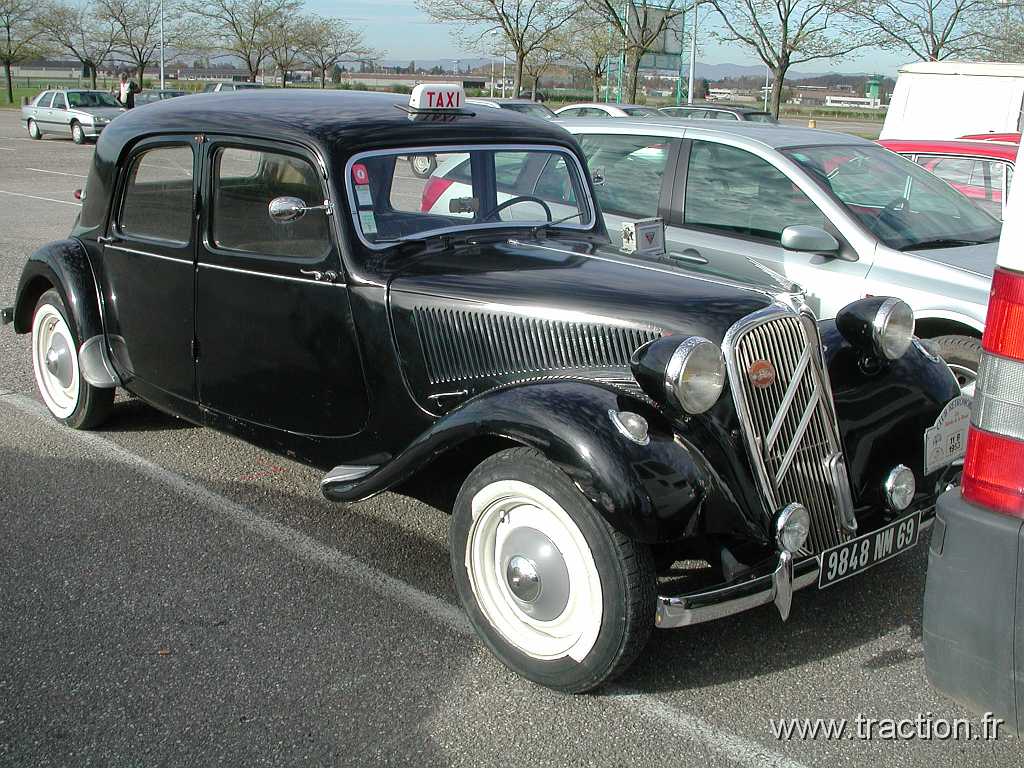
(977, 259)
(480, 316)
(108, 112)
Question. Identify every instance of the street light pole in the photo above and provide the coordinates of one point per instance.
(693, 51)
(161, 45)
(504, 59)
(767, 73)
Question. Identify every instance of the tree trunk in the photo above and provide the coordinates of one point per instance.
(141, 71)
(284, 78)
(520, 63)
(10, 85)
(775, 102)
(92, 75)
(323, 77)
(634, 79)
(596, 82)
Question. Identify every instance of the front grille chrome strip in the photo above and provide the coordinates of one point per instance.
(789, 424)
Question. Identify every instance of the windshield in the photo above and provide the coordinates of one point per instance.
(642, 112)
(402, 195)
(533, 110)
(91, 99)
(903, 205)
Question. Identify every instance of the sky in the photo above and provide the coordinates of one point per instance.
(404, 33)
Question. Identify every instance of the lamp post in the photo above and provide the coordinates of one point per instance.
(767, 74)
(161, 45)
(493, 33)
(693, 52)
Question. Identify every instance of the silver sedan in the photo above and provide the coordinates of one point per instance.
(80, 114)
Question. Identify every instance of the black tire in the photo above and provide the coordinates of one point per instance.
(33, 130)
(427, 165)
(625, 570)
(962, 354)
(94, 405)
(77, 133)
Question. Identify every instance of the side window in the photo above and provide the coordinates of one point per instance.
(555, 183)
(45, 100)
(59, 101)
(245, 181)
(632, 167)
(158, 195)
(734, 191)
(980, 180)
(570, 113)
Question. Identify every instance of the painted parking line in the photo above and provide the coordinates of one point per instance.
(7, 149)
(36, 197)
(683, 725)
(58, 173)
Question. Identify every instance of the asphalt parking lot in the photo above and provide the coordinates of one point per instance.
(173, 596)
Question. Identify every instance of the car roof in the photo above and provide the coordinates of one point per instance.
(992, 149)
(486, 101)
(347, 121)
(714, 105)
(771, 135)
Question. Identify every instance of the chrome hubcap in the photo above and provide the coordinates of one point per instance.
(535, 572)
(58, 360)
(523, 579)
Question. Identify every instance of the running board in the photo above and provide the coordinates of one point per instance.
(345, 474)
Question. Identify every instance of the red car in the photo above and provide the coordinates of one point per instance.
(982, 170)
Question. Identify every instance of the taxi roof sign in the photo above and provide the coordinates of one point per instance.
(437, 97)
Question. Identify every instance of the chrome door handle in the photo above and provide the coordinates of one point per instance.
(321, 276)
(690, 254)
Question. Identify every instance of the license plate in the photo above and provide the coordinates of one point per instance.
(861, 553)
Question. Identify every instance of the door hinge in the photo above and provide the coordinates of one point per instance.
(195, 349)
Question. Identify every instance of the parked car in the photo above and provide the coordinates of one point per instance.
(981, 170)
(947, 99)
(150, 97)
(237, 85)
(600, 110)
(718, 112)
(80, 114)
(841, 216)
(523, 106)
(973, 619)
(604, 415)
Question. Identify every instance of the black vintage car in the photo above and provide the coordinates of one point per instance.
(633, 445)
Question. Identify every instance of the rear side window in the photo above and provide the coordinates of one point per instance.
(158, 195)
(979, 179)
(59, 102)
(632, 168)
(44, 99)
(245, 181)
(734, 191)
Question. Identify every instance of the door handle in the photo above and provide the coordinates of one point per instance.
(107, 239)
(690, 254)
(321, 276)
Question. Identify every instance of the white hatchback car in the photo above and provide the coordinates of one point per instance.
(841, 216)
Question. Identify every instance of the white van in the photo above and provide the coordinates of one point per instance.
(950, 99)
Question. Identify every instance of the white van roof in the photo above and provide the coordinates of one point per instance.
(977, 68)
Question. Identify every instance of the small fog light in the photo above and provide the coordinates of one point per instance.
(900, 487)
(791, 527)
(632, 425)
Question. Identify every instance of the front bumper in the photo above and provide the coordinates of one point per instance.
(774, 585)
(92, 131)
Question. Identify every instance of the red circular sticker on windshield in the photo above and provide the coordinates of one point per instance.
(359, 174)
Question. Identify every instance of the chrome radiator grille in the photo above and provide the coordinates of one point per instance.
(791, 428)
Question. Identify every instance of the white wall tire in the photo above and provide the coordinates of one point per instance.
(584, 608)
(65, 393)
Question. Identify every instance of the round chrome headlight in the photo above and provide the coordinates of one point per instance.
(892, 330)
(791, 527)
(695, 375)
(900, 487)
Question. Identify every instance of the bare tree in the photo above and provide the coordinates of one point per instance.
(137, 25)
(327, 42)
(241, 28)
(788, 32)
(587, 42)
(1004, 37)
(526, 24)
(931, 30)
(537, 63)
(20, 36)
(82, 30)
(639, 25)
(287, 39)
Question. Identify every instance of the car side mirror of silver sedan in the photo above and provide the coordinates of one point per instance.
(805, 238)
(287, 209)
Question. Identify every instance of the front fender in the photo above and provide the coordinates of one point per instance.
(652, 493)
(64, 265)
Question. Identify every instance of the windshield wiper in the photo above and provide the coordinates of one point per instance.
(942, 242)
(541, 227)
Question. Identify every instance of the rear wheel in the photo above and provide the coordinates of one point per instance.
(33, 130)
(77, 133)
(963, 356)
(555, 593)
(69, 397)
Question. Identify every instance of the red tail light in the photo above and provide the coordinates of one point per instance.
(435, 187)
(994, 466)
(77, 194)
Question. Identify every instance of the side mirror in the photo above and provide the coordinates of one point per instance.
(285, 209)
(804, 238)
(597, 176)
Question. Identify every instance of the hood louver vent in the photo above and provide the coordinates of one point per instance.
(461, 345)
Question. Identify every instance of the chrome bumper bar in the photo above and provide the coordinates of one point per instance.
(776, 587)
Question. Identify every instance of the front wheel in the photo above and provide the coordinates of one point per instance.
(77, 133)
(423, 165)
(963, 356)
(556, 594)
(69, 397)
(33, 130)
